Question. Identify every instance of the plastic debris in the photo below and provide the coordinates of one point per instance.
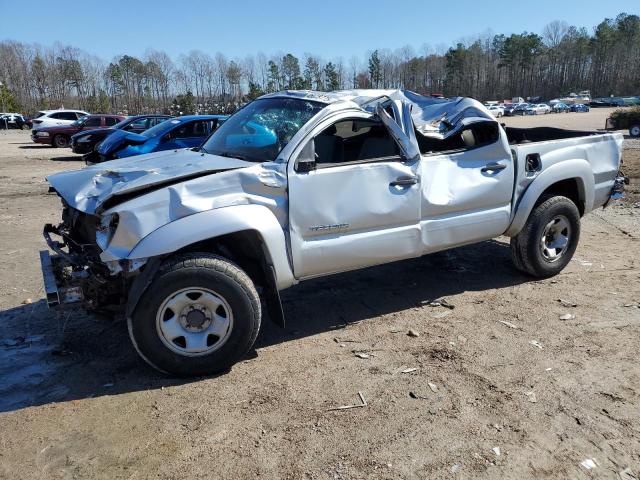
(567, 303)
(413, 333)
(417, 396)
(440, 302)
(531, 396)
(496, 450)
(362, 355)
(409, 370)
(508, 324)
(631, 305)
(536, 344)
(357, 405)
(433, 387)
(567, 316)
(589, 463)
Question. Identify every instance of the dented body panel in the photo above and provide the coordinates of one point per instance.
(453, 177)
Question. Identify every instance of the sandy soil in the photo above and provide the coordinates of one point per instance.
(77, 403)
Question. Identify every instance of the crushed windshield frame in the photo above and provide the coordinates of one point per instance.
(261, 129)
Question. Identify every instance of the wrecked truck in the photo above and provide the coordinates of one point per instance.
(193, 244)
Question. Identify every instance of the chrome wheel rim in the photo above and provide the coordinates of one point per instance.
(194, 321)
(555, 238)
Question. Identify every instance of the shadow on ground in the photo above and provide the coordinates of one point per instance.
(69, 158)
(48, 356)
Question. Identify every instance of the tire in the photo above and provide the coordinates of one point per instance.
(169, 342)
(60, 141)
(549, 238)
(25, 127)
(634, 131)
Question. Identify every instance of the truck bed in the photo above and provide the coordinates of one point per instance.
(593, 157)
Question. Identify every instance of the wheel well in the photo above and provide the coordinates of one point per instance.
(569, 188)
(245, 248)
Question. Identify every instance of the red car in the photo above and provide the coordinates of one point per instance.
(60, 135)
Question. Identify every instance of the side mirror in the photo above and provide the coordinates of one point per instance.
(306, 161)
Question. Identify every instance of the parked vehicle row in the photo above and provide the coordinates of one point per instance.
(60, 135)
(523, 108)
(103, 137)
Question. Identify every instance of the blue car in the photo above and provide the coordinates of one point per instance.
(178, 132)
(580, 107)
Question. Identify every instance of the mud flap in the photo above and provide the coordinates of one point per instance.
(272, 298)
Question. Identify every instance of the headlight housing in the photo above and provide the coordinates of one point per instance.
(106, 230)
(42, 134)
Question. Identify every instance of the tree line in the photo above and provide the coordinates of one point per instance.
(559, 60)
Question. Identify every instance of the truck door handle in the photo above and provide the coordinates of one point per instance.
(493, 167)
(404, 181)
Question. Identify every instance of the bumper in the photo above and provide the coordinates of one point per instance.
(81, 148)
(43, 140)
(57, 294)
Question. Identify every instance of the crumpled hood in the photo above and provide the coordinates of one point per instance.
(88, 189)
(119, 138)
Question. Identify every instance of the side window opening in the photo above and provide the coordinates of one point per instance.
(354, 140)
(475, 135)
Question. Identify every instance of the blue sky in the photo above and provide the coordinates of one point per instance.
(236, 28)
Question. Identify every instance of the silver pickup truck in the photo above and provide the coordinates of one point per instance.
(192, 244)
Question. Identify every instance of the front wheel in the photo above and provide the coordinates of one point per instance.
(200, 315)
(60, 141)
(634, 131)
(549, 238)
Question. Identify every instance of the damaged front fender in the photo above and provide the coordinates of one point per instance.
(210, 224)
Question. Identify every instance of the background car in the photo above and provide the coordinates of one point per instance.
(519, 109)
(538, 109)
(580, 107)
(50, 118)
(178, 132)
(60, 135)
(496, 110)
(85, 141)
(561, 108)
(14, 120)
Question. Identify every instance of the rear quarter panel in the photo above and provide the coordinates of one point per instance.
(593, 161)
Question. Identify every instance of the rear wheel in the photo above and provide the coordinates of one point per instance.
(60, 141)
(634, 131)
(549, 238)
(199, 316)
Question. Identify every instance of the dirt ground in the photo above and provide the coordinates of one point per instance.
(497, 387)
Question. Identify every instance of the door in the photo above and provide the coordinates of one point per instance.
(188, 135)
(354, 198)
(466, 190)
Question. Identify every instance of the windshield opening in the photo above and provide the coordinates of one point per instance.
(260, 131)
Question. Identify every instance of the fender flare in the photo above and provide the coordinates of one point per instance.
(577, 169)
(217, 222)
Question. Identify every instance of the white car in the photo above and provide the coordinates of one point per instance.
(50, 118)
(539, 109)
(496, 110)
